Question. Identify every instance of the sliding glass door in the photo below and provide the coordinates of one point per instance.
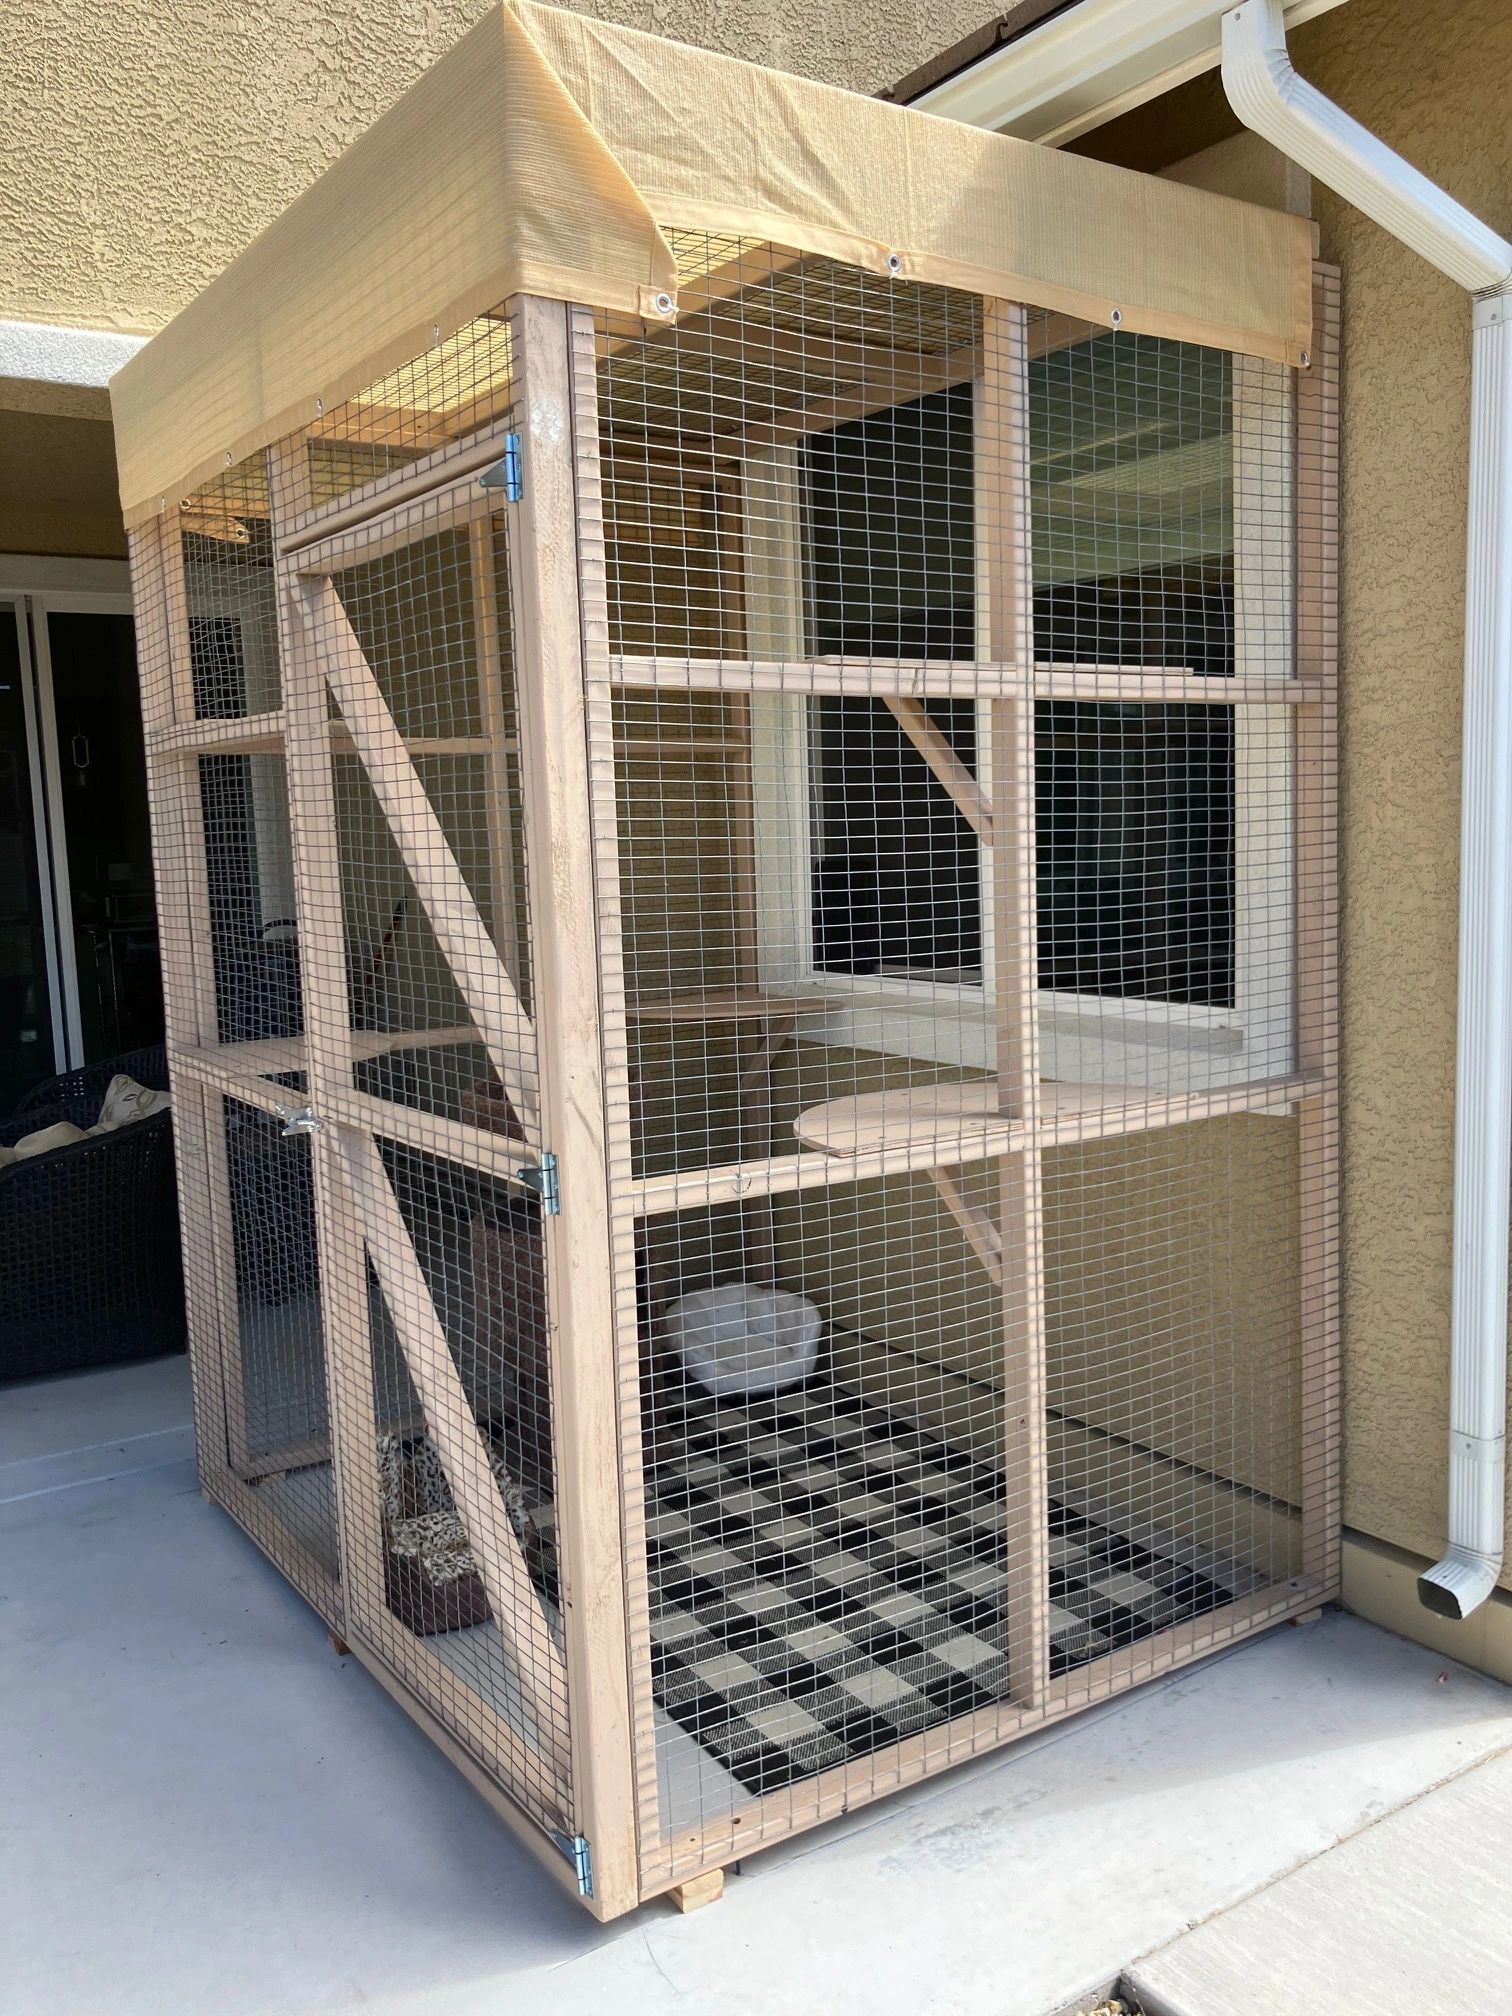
(79, 975)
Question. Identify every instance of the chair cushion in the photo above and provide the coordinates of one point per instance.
(126, 1101)
(62, 1134)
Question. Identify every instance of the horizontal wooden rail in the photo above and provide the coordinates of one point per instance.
(246, 734)
(397, 526)
(893, 679)
(472, 454)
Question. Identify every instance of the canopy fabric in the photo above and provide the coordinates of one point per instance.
(549, 153)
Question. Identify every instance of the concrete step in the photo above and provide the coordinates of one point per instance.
(1410, 1914)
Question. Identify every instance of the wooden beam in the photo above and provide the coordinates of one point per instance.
(1007, 638)
(869, 678)
(473, 452)
(933, 745)
(251, 734)
(397, 526)
(558, 587)
(1158, 688)
(491, 645)
(503, 1026)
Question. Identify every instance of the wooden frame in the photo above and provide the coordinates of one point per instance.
(568, 1743)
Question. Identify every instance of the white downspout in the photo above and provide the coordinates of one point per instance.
(1273, 101)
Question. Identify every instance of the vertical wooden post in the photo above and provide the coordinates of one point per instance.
(625, 1225)
(328, 1068)
(494, 716)
(1002, 438)
(564, 933)
(190, 1008)
(1317, 930)
(1265, 570)
(188, 999)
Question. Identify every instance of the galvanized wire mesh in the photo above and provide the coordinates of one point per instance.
(973, 969)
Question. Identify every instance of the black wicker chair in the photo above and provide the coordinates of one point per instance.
(90, 1272)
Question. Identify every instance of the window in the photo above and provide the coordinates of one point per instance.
(1159, 479)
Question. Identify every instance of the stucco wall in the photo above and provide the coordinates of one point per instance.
(1434, 81)
(144, 145)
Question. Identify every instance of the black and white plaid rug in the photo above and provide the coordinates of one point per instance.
(827, 1579)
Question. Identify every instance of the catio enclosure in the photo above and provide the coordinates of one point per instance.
(741, 722)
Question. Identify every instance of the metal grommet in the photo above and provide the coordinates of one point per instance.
(1116, 317)
(895, 262)
(1304, 359)
(319, 409)
(229, 459)
(663, 304)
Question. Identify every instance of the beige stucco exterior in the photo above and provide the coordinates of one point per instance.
(1404, 447)
(1433, 82)
(145, 146)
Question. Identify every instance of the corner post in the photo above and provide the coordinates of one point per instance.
(564, 940)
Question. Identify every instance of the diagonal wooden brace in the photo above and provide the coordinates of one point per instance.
(933, 745)
(985, 1238)
(464, 1454)
(486, 987)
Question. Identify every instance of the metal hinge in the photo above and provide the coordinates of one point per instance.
(580, 1855)
(509, 474)
(542, 1178)
(302, 1122)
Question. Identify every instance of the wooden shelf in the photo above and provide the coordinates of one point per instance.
(952, 1123)
(940, 1126)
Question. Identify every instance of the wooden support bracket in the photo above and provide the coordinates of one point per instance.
(985, 1239)
(933, 745)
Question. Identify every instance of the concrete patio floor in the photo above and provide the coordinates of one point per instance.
(209, 1811)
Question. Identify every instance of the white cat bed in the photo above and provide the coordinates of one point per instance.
(740, 1341)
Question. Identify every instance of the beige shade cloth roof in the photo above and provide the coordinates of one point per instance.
(548, 153)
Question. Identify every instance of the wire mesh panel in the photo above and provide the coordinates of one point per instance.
(230, 614)
(967, 1016)
(459, 389)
